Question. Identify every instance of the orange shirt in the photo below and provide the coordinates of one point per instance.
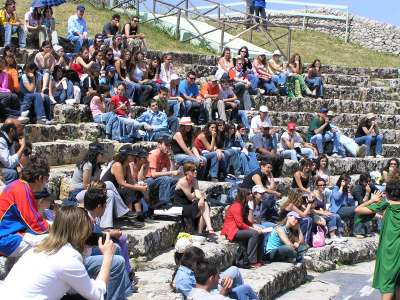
(158, 161)
(13, 82)
(208, 89)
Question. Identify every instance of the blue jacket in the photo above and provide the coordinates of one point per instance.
(184, 280)
(339, 200)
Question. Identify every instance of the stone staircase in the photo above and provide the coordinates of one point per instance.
(350, 94)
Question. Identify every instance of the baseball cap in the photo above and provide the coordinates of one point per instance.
(99, 37)
(294, 214)
(276, 52)
(110, 68)
(57, 48)
(174, 77)
(323, 110)
(291, 126)
(80, 7)
(263, 108)
(258, 189)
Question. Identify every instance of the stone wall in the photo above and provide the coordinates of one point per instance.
(368, 33)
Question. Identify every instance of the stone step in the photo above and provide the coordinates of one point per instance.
(336, 105)
(69, 131)
(360, 93)
(343, 79)
(268, 281)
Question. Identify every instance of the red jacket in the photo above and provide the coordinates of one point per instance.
(234, 221)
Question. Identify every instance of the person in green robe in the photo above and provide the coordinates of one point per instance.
(387, 267)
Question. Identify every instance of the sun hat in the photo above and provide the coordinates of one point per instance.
(57, 48)
(258, 189)
(186, 121)
(323, 110)
(277, 52)
(294, 214)
(370, 116)
(263, 108)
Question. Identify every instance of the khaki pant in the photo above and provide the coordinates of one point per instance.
(208, 104)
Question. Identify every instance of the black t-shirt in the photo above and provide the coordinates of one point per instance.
(109, 29)
(132, 30)
(248, 182)
(360, 132)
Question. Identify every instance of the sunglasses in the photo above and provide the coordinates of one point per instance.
(192, 78)
(321, 184)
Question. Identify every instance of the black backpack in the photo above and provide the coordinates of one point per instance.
(241, 258)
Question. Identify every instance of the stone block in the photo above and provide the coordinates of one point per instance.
(58, 175)
(64, 113)
(342, 79)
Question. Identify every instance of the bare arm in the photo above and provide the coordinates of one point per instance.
(179, 139)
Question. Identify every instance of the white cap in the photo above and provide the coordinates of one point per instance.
(56, 48)
(277, 52)
(258, 189)
(174, 77)
(263, 108)
(182, 244)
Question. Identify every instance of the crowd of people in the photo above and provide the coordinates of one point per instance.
(113, 77)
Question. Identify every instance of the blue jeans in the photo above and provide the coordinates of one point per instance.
(292, 154)
(9, 30)
(42, 105)
(320, 139)
(189, 105)
(286, 253)
(174, 105)
(280, 80)
(9, 175)
(214, 162)
(242, 92)
(239, 290)
(119, 286)
(347, 145)
(78, 42)
(315, 83)
(181, 159)
(269, 86)
(173, 123)
(61, 94)
(118, 128)
(243, 118)
(368, 140)
(231, 159)
(306, 227)
(165, 185)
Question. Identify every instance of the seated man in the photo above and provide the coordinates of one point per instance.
(11, 133)
(135, 39)
(9, 24)
(266, 144)
(169, 107)
(320, 132)
(110, 29)
(293, 145)
(162, 176)
(209, 94)
(22, 227)
(189, 91)
(258, 121)
(156, 122)
(77, 30)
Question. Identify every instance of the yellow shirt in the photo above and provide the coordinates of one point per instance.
(6, 18)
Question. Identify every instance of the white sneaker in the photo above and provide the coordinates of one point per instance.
(23, 120)
(25, 113)
(336, 155)
(379, 156)
(52, 100)
(369, 156)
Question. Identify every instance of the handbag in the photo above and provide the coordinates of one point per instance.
(319, 238)
(241, 258)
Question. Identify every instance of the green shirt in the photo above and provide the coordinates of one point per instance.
(162, 105)
(315, 124)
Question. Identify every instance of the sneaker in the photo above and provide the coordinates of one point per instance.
(379, 156)
(23, 120)
(41, 121)
(261, 91)
(136, 224)
(369, 156)
(338, 240)
(359, 236)
(129, 215)
(52, 100)
(25, 113)
(329, 241)
(361, 151)
(336, 155)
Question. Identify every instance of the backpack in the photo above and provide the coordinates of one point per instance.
(241, 258)
(319, 238)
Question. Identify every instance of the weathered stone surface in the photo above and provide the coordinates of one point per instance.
(6, 263)
(63, 152)
(341, 79)
(47, 133)
(351, 252)
(64, 113)
(361, 93)
(57, 176)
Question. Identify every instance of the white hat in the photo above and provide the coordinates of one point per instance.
(258, 189)
(263, 108)
(277, 52)
(174, 77)
(182, 244)
(57, 48)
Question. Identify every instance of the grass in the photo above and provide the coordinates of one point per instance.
(309, 44)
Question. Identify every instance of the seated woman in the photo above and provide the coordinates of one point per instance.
(204, 145)
(49, 24)
(183, 280)
(33, 25)
(181, 144)
(119, 174)
(392, 168)
(236, 229)
(135, 39)
(62, 89)
(88, 170)
(116, 46)
(167, 69)
(295, 82)
(45, 63)
(225, 63)
(342, 203)
(32, 98)
(81, 63)
(192, 200)
(321, 214)
(263, 78)
(297, 197)
(9, 102)
(314, 79)
(138, 74)
(368, 133)
(56, 266)
(286, 241)
(279, 74)
(11, 70)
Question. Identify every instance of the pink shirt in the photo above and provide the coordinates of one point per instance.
(96, 106)
(4, 83)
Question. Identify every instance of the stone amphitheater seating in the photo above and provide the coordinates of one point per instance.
(350, 93)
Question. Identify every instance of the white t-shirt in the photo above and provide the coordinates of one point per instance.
(200, 294)
(40, 276)
(298, 140)
(256, 123)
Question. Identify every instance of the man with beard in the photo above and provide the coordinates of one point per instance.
(11, 133)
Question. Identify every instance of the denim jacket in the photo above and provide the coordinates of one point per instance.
(158, 120)
(184, 280)
(339, 199)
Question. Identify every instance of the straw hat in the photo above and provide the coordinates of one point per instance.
(371, 116)
(186, 121)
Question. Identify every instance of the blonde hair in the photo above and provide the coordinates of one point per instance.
(71, 225)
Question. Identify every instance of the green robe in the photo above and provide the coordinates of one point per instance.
(387, 267)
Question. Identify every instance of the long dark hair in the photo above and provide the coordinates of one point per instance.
(343, 176)
(189, 259)
(386, 168)
(206, 130)
(187, 136)
(90, 156)
(292, 61)
(321, 157)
